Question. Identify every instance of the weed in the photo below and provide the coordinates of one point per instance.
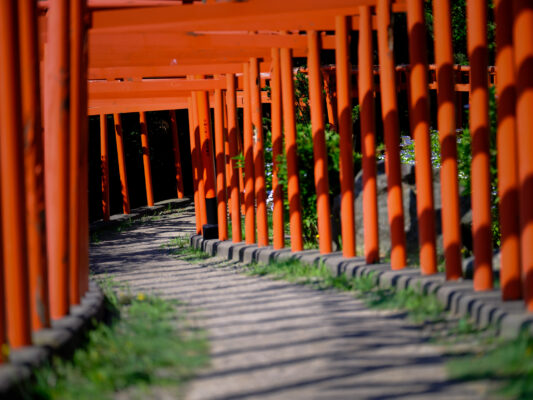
(124, 225)
(95, 239)
(464, 326)
(144, 347)
(420, 307)
(180, 246)
(509, 362)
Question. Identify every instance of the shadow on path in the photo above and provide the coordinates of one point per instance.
(272, 339)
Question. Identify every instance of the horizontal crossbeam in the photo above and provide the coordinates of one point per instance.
(231, 14)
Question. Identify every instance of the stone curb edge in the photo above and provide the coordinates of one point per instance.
(61, 339)
(138, 213)
(483, 308)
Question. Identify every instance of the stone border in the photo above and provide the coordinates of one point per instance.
(484, 308)
(61, 339)
(116, 219)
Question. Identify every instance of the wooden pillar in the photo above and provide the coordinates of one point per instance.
(194, 168)
(389, 107)
(508, 182)
(233, 134)
(104, 167)
(480, 130)
(3, 319)
(122, 164)
(249, 216)
(83, 18)
(227, 159)
(220, 158)
(210, 230)
(344, 112)
(259, 157)
(146, 159)
(79, 160)
(57, 156)
(33, 166)
(13, 201)
(419, 118)
(319, 143)
(331, 101)
(176, 150)
(199, 162)
(277, 151)
(368, 137)
(289, 122)
(449, 187)
(523, 54)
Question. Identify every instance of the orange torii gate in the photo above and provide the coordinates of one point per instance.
(48, 269)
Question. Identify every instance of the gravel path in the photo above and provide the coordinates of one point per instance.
(276, 340)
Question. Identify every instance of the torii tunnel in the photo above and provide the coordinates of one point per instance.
(61, 61)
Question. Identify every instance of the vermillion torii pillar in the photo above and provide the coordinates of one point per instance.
(57, 157)
(146, 159)
(210, 229)
(14, 261)
(33, 166)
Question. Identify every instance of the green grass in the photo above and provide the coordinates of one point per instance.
(419, 306)
(180, 246)
(148, 345)
(507, 362)
(124, 225)
(95, 238)
(230, 228)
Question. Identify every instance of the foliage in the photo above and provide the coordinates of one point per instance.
(239, 160)
(95, 239)
(304, 142)
(510, 362)
(420, 306)
(145, 346)
(356, 111)
(301, 96)
(459, 30)
(464, 160)
(407, 149)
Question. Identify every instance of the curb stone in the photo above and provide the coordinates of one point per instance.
(483, 308)
(137, 213)
(61, 340)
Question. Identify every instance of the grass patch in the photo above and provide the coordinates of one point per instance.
(95, 238)
(419, 306)
(180, 246)
(124, 225)
(507, 362)
(146, 345)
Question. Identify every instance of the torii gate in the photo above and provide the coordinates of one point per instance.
(126, 34)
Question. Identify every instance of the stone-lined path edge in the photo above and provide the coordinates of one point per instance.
(484, 308)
